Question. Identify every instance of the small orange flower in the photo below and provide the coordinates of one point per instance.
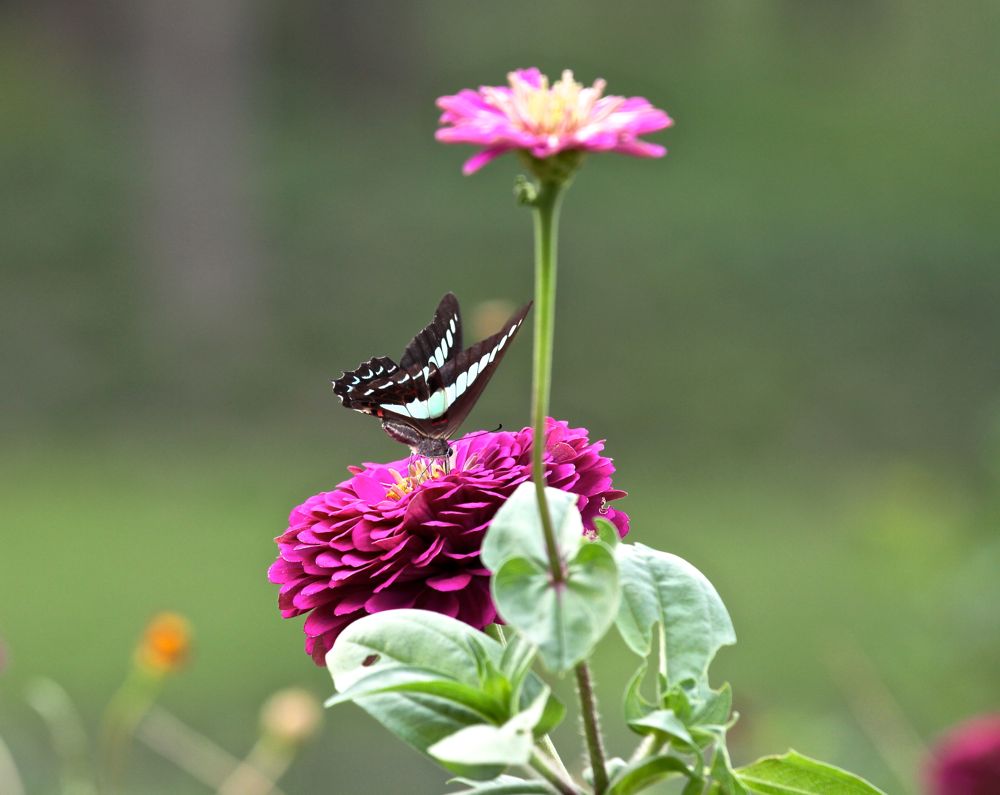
(166, 643)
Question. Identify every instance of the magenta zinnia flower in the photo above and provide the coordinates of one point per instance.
(544, 120)
(967, 761)
(400, 535)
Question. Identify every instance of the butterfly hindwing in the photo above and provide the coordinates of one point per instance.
(358, 388)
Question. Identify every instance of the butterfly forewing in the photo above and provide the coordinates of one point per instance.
(439, 340)
(464, 377)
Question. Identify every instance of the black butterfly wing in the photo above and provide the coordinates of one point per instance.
(464, 377)
(361, 389)
(439, 340)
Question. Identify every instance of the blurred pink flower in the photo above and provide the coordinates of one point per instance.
(967, 760)
(544, 120)
(382, 539)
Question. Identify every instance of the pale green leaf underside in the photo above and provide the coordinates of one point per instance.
(660, 588)
(565, 623)
(516, 529)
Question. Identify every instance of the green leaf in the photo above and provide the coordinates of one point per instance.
(484, 751)
(409, 638)
(565, 623)
(695, 786)
(417, 719)
(607, 533)
(636, 705)
(405, 649)
(419, 680)
(554, 712)
(646, 772)
(660, 588)
(613, 767)
(518, 655)
(665, 722)
(505, 785)
(794, 774)
(714, 708)
(516, 529)
(725, 781)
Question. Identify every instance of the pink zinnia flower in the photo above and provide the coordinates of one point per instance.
(544, 120)
(967, 760)
(404, 535)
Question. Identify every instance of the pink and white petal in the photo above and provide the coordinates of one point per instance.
(638, 148)
(532, 76)
(651, 120)
(480, 159)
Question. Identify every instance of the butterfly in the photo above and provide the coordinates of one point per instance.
(424, 399)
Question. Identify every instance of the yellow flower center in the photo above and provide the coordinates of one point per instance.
(553, 111)
(419, 471)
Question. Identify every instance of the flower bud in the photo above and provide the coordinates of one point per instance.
(291, 716)
(967, 760)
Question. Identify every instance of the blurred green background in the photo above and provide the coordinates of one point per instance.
(787, 330)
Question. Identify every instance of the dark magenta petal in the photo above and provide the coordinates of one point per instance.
(453, 582)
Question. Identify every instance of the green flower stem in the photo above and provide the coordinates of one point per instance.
(541, 766)
(546, 212)
(67, 734)
(10, 778)
(546, 203)
(550, 748)
(121, 718)
(591, 729)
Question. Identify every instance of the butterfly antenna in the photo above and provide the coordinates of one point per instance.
(479, 433)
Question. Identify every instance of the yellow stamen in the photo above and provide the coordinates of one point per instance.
(418, 472)
(554, 111)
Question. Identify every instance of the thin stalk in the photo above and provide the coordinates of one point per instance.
(121, 717)
(256, 774)
(190, 750)
(550, 749)
(69, 738)
(546, 214)
(591, 729)
(10, 778)
(541, 766)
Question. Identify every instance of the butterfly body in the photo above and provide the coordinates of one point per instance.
(424, 399)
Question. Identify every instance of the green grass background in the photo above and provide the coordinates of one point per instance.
(787, 330)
